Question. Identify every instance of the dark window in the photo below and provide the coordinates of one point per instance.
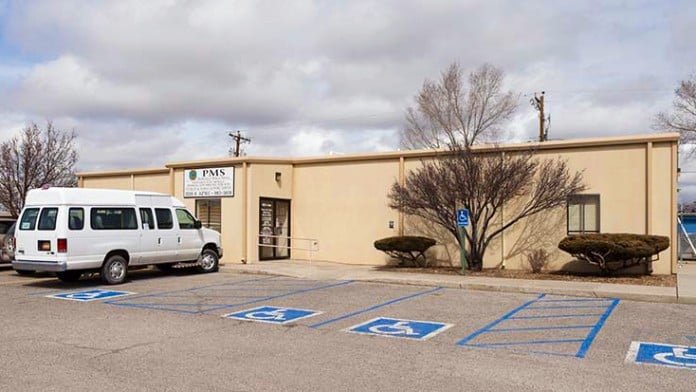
(28, 221)
(164, 218)
(5, 226)
(47, 220)
(583, 214)
(146, 217)
(113, 219)
(186, 220)
(76, 219)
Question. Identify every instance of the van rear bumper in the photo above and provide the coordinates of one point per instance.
(39, 266)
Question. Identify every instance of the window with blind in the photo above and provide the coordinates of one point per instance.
(583, 214)
(209, 212)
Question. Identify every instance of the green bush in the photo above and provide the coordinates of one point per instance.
(406, 249)
(614, 251)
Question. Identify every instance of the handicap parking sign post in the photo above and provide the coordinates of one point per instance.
(676, 356)
(272, 314)
(463, 222)
(399, 328)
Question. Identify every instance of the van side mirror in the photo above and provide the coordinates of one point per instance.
(197, 224)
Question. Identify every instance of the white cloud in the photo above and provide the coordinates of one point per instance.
(149, 82)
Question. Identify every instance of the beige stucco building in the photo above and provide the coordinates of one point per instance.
(338, 206)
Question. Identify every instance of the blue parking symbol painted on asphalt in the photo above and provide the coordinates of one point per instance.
(399, 328)
(676, 356)
(89, 295)
(272, 314)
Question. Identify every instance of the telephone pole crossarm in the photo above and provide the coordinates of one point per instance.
(238, 139)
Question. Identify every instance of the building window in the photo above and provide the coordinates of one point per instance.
(208, 211)
(583, 214)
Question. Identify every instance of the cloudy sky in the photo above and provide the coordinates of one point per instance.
(144, 83)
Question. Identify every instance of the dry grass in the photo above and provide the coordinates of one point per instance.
(646, 280)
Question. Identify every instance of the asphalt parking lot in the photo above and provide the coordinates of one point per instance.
(226, 331)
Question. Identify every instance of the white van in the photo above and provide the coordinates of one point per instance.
(70, 231)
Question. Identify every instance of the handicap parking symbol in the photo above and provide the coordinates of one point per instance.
(272, 314)
(89, 295)
(676, 356)
(399, 328)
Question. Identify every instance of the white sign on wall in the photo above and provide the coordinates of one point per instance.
(209, 182)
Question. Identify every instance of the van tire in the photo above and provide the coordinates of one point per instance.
(69, 276)
(114, 270)
(208, 261)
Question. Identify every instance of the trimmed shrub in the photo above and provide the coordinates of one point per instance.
(537, 259)
(406, 249)
(614, 251)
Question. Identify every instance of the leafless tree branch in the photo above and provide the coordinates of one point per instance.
(484, 182)
(447, 114)
(34, 159)
(682, 119)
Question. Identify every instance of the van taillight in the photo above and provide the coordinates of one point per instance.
(62, 245)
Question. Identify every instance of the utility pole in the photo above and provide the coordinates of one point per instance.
(538, 103)
(239, 139)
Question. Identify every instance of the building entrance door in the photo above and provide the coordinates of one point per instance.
(274, 229)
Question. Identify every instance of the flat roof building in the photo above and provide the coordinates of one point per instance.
(333, 208)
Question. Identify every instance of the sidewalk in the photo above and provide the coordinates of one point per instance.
(333, 271)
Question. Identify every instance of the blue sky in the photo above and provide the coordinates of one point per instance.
(149, 82)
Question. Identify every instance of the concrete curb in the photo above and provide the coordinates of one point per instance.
(580, 289)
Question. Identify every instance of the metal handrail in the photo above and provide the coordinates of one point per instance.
(313, 244)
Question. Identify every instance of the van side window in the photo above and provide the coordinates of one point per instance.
(113, 219)
(186, 220)
(47, 220)
(76, 218)
(164, 218)
(28, 221)
(146, 217)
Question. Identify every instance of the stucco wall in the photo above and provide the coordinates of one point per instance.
(342, 201)
(345, 207)
(112, 182)
(262, 184)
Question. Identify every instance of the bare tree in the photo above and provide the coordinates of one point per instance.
(447, 114)
(34, 159)
(683, 117)
(484, 182)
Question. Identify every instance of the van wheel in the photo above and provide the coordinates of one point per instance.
(114, 270)
(208, 261)
(69, 276)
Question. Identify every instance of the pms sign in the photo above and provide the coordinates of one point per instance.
(209, 182)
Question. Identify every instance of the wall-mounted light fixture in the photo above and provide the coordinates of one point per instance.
(277, 176)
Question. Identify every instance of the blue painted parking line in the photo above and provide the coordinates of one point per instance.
(166, 293)
(505, 336)
(90, 295)
(375, 307)
(400, 328)
(198, 307)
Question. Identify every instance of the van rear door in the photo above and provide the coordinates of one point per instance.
(36, 234)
